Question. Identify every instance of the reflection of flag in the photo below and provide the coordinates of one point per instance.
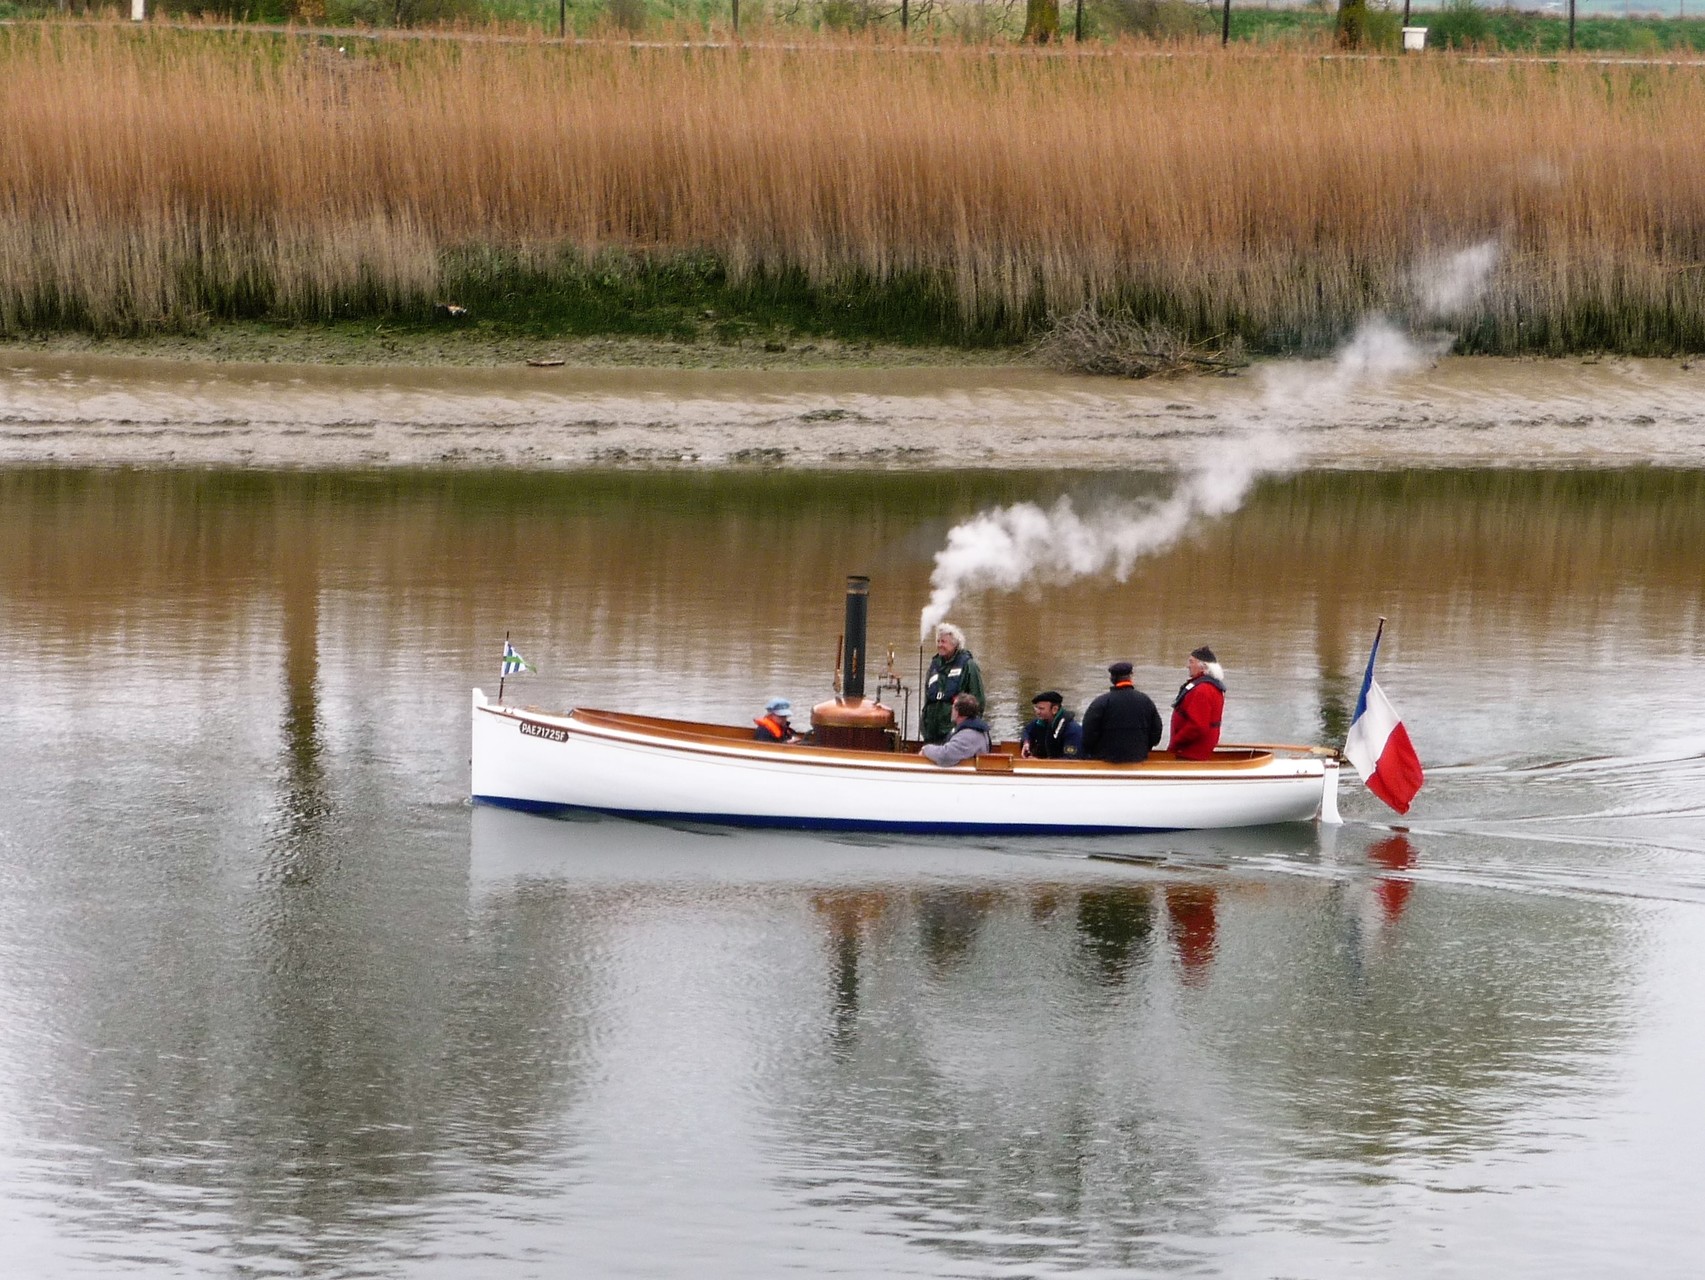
(1379, 745)
(1396, 854)
(1194, 926)
(513, 663)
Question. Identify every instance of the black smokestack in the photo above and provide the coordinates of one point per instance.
(858, 613)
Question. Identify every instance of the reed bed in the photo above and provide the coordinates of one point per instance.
(158, 178)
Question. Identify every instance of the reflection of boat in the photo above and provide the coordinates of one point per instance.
(856, 777)
(507, 845)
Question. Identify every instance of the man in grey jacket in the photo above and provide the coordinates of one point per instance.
(970, 736)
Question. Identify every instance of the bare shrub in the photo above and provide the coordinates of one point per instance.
(395, 13)
(846, 15)
(1159, 19)
(626, 15)
(1117, 344)
(985, 20)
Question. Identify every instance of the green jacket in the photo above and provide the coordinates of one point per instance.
(946, 680)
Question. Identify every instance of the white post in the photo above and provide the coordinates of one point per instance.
(138, 10)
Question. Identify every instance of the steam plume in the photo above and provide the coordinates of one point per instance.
(1449, 286)
(1004, 547)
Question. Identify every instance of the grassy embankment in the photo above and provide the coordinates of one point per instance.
(1452, 24)
(159, 181)
(1490, 30)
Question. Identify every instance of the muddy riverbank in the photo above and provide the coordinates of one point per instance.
(81, 409)
(376, 343)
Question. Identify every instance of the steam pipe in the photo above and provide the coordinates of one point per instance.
(858, 614)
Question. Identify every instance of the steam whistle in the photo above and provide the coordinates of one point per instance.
(891, 683)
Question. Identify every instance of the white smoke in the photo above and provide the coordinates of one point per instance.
(1377, 352)
(1448, 286)
(1003, 548)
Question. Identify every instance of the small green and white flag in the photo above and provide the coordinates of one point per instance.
(513, 663)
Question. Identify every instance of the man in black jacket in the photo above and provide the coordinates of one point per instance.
(1122, 725)
(1055, 733)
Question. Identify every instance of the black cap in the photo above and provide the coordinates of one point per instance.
(1204, 654)
(1119, 670)
(1048, 695)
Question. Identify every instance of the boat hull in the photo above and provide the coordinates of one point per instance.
(635, 767)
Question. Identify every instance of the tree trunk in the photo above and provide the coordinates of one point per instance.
(1352, 23)
(1041, 21)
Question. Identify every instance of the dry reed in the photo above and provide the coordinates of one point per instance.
(151, 178)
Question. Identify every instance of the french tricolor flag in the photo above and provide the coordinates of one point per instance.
(1379, 745)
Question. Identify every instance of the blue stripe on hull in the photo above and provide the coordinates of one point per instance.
(822, 824)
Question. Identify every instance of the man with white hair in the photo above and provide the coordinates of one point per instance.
(952, 671)
(1197, 709)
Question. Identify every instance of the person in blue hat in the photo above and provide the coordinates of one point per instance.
(773, 725)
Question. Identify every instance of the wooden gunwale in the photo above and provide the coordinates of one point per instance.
(718, 739)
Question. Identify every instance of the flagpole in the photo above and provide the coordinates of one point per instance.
(921, 703)
(1373, 653)
(1367, 678)
(503, 674)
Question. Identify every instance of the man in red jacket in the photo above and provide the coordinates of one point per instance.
(1197, 709)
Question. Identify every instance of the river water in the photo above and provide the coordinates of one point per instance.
(274, 999)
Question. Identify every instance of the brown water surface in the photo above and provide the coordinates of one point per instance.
(272, 997)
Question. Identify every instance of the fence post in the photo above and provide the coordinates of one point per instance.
(1225, 26)
(736, 17)
(1077, 27)
(1571, 26)
(905, 17)
(138, 10)
(562, 19)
